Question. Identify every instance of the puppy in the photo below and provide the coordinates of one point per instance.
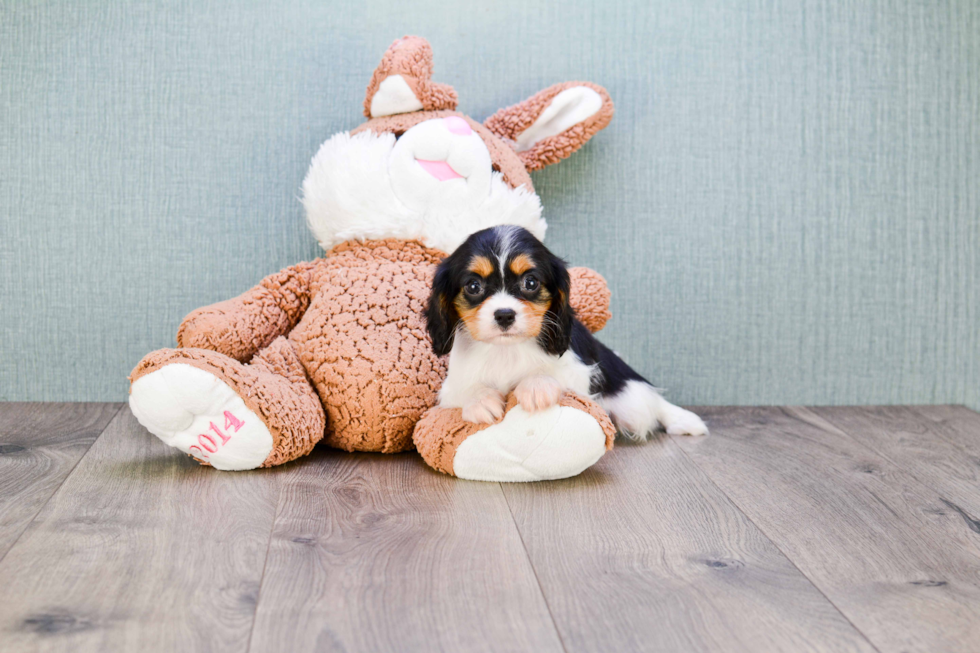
(499, 307)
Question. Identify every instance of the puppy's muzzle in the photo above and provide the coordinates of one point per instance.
(504, 317)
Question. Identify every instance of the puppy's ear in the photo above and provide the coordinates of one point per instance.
(440, 315)
(556, 337)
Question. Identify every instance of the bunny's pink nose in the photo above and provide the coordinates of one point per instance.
(457, 125)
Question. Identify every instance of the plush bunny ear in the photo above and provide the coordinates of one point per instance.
(402, 82)
(550, 125)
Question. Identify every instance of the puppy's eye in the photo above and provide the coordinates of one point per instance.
(473, 288)
(530, 283)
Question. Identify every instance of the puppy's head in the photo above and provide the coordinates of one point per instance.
(503, 286)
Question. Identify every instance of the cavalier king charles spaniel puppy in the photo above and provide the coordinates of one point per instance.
(499, 307)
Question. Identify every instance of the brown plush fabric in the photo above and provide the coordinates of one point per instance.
(441, 430)
(589, 296)
(241, 326)
(504, 158)
(356, 332)
(274, 387)
(508, 123)
(439, 433)
(400, 123)
(411, 57)
(364, 344)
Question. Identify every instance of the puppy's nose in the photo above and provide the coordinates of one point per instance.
(504, 317)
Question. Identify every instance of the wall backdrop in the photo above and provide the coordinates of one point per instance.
(786, 205)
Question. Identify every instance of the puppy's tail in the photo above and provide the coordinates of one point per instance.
(635, 406)
(637, 409)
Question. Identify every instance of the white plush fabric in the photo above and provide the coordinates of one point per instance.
(367, 187)
(179, 403)
(433, 141)
(568, 108)
(394, 96)
(555, 443)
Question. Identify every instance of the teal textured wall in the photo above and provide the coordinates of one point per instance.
(786, 205)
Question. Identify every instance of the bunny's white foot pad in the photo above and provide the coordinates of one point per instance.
(558, 442)
(199, 414)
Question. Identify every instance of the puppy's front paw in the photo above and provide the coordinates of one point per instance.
(537, 393)
(487, 408)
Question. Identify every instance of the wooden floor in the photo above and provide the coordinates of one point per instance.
(787, 529)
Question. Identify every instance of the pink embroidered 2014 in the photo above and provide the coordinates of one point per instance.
(230, 422)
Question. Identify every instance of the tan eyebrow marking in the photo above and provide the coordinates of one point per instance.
(481, 265)
(521, 264)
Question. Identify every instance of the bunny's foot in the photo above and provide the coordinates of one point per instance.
(226, 414)
(557, 442)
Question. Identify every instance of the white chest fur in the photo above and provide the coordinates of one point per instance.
(476, 365)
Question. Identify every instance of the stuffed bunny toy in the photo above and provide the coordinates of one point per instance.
(336, 349)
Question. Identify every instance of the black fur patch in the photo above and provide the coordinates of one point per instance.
(614, 372)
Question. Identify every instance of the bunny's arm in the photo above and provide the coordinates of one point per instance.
(242, 326)
(589, 296)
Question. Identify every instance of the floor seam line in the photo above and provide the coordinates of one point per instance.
(63, 481)
(922, 420)
(741, 510)
(527, 555)
(265, 565)
(884, 456)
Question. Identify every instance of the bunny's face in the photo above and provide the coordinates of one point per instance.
(440, 163)
(419, 170)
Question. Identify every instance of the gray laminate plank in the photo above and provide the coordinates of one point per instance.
(380, 553)
(958, 424)
(935, 453)
(39, 446)
(882, 546)
(644, 553)
(141, 549)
